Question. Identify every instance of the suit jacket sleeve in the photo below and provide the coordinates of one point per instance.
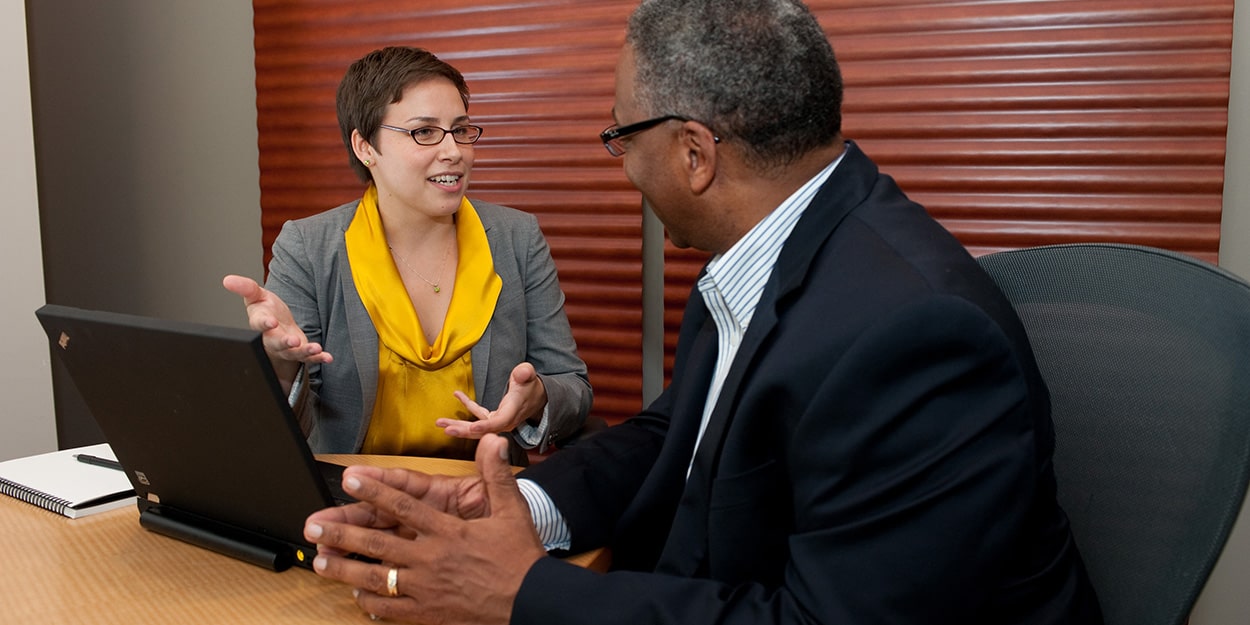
(290, 278)
(549, 339)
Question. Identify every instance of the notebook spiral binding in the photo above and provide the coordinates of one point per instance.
(32, 496)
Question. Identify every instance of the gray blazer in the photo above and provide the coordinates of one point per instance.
(310, 272)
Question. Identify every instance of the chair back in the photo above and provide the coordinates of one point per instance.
(1146, 354)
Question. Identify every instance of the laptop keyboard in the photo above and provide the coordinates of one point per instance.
(333, 476)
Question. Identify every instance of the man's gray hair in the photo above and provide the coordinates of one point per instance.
(757, 72)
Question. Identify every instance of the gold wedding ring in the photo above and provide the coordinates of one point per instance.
(392, 582)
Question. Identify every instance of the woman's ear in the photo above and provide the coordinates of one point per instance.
(364, 151)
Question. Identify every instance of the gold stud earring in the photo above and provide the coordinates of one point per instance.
(368, 162)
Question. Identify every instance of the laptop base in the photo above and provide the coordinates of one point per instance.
(224, 539)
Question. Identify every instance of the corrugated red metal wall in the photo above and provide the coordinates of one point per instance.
(540, 74)
(1016, 123)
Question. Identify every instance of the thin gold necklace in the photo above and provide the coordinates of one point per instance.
(441, 266)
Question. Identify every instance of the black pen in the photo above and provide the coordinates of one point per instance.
(99, 462)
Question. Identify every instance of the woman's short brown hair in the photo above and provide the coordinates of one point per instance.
(377, 80)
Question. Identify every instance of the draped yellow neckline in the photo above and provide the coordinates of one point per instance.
(416, 378)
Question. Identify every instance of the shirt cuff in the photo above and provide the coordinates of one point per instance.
(551, 526)
(297, 386)
(528, 436)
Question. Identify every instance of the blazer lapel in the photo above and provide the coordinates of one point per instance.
(685, 552)
(686, 545)
(364, 339)
(480, 353)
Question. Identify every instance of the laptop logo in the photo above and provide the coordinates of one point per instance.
(64, 341)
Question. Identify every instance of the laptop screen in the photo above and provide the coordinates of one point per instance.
(197, 418)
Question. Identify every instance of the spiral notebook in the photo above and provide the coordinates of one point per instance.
(58, 482)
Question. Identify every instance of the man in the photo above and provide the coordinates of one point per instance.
(855, 432)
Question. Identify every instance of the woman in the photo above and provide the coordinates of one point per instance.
(397, 319)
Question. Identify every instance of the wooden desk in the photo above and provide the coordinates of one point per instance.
(106, 569)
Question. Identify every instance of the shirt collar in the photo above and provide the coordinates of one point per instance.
(741, 272)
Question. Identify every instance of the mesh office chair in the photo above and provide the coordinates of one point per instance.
(1147, 356)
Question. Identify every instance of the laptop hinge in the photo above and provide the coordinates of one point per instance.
(224, 539)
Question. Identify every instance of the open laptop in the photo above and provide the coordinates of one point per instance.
(198, 421)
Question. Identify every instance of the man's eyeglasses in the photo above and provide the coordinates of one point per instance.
(613, 135)
(433, 135)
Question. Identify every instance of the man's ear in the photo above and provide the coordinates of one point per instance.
(700, 150)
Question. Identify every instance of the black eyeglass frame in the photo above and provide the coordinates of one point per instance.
(444, 132)
(612, 135)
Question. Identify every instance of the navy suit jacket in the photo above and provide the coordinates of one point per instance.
(880, 452)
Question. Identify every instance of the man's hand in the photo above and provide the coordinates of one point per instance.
(460, 546)
(461, 496)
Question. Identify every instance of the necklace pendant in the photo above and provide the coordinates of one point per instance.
(437, 289)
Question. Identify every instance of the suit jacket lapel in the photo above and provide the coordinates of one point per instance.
(364, 340)
(481, 352)
(686, 545)
(686, 550)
